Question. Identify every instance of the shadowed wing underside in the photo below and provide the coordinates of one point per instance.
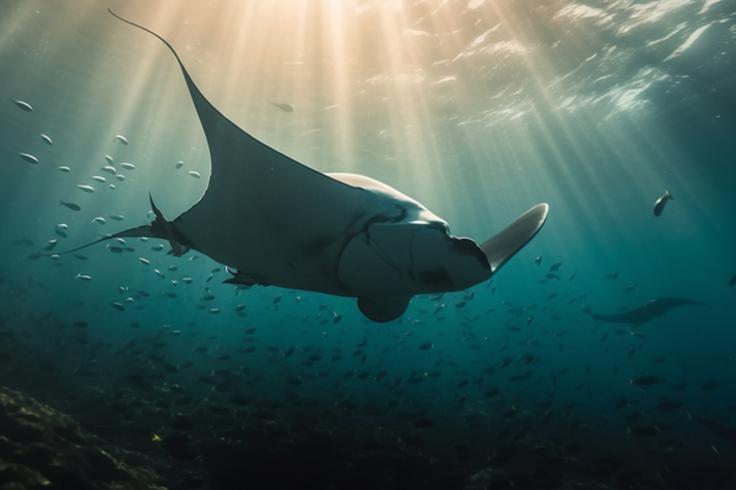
(263, 210)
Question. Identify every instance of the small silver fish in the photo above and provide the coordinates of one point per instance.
(47, 139)
(661, 203)
(28, 158)
(23, 105)
(120, 139)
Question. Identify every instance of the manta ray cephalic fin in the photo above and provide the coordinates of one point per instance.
(501, 247)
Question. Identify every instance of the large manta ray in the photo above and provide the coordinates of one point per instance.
(274, 221)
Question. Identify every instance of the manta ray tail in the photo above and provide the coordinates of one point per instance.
(158, 228)
(501, 247)
(138, 231)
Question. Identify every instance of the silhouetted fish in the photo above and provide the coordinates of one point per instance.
(283, 106)
(70, 205)
(728, 433)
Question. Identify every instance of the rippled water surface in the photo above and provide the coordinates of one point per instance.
(559, 372)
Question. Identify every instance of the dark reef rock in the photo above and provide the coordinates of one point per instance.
(43, 448)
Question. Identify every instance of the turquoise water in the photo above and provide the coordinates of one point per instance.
(478, 113)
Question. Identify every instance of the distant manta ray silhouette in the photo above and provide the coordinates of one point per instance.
(642, 314)
(726, 432)
(274, 221)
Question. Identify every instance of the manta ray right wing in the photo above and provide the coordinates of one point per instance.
(244, 166)
(263, 210)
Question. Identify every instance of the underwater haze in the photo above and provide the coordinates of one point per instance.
(601, 356)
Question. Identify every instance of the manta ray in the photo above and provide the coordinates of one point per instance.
(642, 314)
(728, 433)
(274, 221)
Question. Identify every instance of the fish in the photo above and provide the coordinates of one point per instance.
(645, 313)
(23, 105)
(194, 174)
(28, 158)
(646, 380)
(109, 169)
(109, 159)
(83, 277)
(86, 188)
(726, 432)
(661, 203)
(127, 165)
(668, 405)
(64, 168)
(47, 139)
(70, 205)
(537, 260)
(99, 220)
(120, 139)
(283, 106)
(120, 177)
(350, 242)
(98, 178)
